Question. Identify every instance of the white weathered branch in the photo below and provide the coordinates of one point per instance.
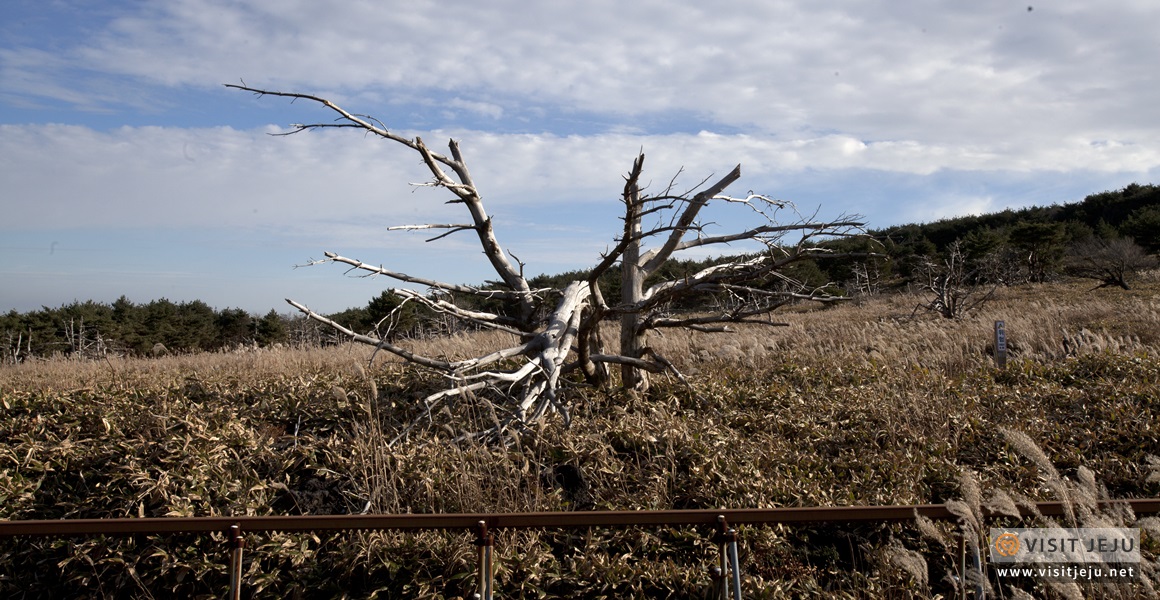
(653, 259)
(352, 119)
(763, 231)
(662, 364)
(432, 226)
(670, 288)
(464, 188)
(639, 363)
(431, 283)
(485, 319)
(455, 228)
(440, 365)
(523, 380)
(512, 277)
(706, 324)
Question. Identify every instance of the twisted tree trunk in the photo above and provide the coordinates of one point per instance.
(523, 394)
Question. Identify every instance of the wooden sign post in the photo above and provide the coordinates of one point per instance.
(1000, 344)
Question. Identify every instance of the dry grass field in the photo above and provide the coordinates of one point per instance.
(851, 405)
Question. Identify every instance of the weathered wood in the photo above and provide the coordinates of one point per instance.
(655, 258)
(529, 389)
(632, 276)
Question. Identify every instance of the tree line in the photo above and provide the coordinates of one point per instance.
(125, 328)
(92, 329)
(1106, 237)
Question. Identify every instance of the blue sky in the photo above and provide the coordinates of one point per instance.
(127, 168)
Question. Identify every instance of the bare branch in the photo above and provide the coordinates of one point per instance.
(431, 402)
(352, 119)
(955, 290)
(431, 226)
(639, 363)
(660, 365)
(511, 277)
(489, 320)
(451, 287)
(440, 365)
(464, 189)
(653, 259)
(765, 230)
(631, 208)
(453, 227)
(519, 384)
(703, 324)
(498, 355)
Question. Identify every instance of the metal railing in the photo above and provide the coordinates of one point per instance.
(483, 524)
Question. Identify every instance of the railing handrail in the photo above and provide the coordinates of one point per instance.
(514, 520)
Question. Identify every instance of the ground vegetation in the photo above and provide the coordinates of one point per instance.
(851, 405)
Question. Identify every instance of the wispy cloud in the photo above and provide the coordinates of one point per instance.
(897, 110)
(72, 176)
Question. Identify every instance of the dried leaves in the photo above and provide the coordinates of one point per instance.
(805, 421)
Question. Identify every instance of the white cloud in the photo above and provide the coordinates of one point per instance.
(947, 74)
(487, 109)
(922, 109)
(950, 205)
(71, 176)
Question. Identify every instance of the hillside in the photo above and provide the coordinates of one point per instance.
(1131, 212)
(850, 405)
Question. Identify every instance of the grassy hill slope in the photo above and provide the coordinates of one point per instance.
(850, 405)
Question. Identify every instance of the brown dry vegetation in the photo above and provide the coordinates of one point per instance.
(847, 405)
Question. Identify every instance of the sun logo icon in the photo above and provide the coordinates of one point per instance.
(1007, 544)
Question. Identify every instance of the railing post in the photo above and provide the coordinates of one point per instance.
(963, 579)
(717, 588)
(238, 542)
(732, 533)
(721, 570)
(484, 542)
(977, 564)
(730, 565)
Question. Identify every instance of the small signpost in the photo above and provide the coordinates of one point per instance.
(1000, 344)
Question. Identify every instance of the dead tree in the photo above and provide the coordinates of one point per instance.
(522, 383)
(867, 278)
(13, 353)
(954, 290)
(1111, 262)
(676, 228)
